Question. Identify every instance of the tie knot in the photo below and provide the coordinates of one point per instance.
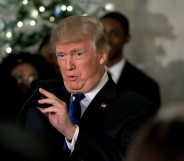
(78, 97)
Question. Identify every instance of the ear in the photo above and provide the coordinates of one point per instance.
(103, 56)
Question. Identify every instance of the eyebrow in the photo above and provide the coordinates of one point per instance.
(72, 51)
(76, 50)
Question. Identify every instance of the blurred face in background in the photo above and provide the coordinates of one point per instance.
(116, 38)
(25, 74)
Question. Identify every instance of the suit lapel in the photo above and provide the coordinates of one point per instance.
(102, 102)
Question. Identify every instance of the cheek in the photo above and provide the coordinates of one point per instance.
(117, 42)
(89, 69)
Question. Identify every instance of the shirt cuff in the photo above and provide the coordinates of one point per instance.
(71, 144)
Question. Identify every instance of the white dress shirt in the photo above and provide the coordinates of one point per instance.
(84, 104)
(116, 70)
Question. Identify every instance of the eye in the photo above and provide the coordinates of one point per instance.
(115, 33)
(78, 54)
(61, 55)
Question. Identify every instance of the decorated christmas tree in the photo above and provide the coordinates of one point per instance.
(25, 22)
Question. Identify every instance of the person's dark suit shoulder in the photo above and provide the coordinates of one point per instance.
(129, 113)
(136, 80)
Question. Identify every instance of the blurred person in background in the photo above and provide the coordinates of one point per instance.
(19, 74)
(125, 74)
(160, 139)
(18, 144)
(46, 50)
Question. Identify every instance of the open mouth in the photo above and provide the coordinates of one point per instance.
(71, 78)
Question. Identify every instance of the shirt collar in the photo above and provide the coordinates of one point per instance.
(116, 70)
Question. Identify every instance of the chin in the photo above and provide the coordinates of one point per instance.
(73, 88)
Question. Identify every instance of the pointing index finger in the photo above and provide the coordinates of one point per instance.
(46, 93)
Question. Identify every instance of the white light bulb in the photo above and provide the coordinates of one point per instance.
(69, 8)
(63, 8)
(34, 13)
(20, 24)
(8, 50)
(32, 22)
(52, 19)
(42, 9)
(24, 2)
(109, 7)
(8, 34)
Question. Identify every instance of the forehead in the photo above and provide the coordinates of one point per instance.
(110, 23)
(74, 45)
(24, 68)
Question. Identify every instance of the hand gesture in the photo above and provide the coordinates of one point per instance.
(57, 114)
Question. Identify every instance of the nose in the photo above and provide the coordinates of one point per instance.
(70, 65)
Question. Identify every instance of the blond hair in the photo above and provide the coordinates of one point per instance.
(75, 28)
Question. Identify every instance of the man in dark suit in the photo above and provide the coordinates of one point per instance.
(125, 74)
(108, 119)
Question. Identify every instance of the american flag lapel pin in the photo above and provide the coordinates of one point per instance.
(103, 105)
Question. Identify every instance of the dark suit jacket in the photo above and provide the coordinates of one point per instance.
(134, 79)
(106, 127)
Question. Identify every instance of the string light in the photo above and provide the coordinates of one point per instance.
(20, 24)
(34, 13)
(8, 34)
(32, 22)
(63, 7)
(69, 8)
(52, 19)
(109, 7)
(27, 16)
(25, 2)
(41, 8)
(8, 50)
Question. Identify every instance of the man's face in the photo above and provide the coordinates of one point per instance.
(80, 65)
(116, 38)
